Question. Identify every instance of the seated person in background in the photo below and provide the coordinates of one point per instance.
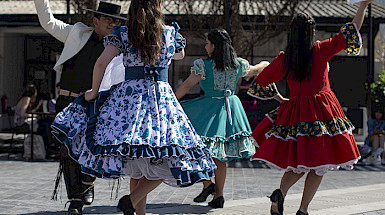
(42, 103)
(46, 105)
(22, 107)
(376, 137)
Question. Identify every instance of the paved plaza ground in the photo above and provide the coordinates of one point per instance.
(26, 188)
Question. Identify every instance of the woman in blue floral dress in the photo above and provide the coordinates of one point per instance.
(218, 116)
(137, 128)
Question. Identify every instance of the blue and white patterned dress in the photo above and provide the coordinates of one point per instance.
(137, 128)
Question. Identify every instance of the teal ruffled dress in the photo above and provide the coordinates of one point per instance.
(218, 116)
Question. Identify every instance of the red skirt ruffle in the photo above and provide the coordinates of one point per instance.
(309, 134)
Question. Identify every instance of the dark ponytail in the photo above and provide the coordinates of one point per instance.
(224, 55)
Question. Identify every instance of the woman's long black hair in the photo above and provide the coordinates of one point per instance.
(299, 51)
(224, 55)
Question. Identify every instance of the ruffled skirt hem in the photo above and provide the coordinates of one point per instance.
(319, 170)
(131, 121)
(238, 146)
(187, 166)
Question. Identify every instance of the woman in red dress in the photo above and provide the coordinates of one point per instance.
(311, 133)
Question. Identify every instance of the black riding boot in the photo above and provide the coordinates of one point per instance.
(87, 189)
(72, 179)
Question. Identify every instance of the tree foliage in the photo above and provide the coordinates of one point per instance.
(377, 90)
(250, 23)
(82, 15)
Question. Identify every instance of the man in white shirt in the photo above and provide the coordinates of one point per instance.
(82, 47)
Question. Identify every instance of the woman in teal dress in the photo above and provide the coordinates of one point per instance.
(218, 116)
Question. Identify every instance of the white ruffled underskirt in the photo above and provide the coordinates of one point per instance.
(319, 170)
(143, 167)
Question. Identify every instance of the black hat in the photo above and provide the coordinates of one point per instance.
(108, 9)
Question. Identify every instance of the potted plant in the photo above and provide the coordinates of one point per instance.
(377, 90)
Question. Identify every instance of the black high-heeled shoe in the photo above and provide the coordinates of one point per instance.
(125, 205)
(205, 193)
(217, 203)
(276, 198)
(76, 207)
(301, 213)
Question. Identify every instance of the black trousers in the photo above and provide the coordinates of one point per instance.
(73, 176)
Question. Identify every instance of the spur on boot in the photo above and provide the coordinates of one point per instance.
(125, 205)
(217, 203)
(277, 199)
(205, 193)
(301, 213)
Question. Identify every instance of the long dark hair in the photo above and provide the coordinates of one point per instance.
(224, 55)
(145, 26)
(299, 51)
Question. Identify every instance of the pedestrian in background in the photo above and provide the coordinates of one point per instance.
(22, 116)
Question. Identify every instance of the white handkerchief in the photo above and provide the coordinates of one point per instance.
(354, 1)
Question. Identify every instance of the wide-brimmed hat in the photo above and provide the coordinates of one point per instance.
(108, 9)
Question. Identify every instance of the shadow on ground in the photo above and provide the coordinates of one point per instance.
(151, 208)
(177, 209)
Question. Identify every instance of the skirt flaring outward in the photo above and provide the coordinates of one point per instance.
(227, 139)
(137, 128)
(310, 133)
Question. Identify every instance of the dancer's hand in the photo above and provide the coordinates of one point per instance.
(90, 95)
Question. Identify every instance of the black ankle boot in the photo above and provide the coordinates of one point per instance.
(205, 193)
(301, 213)
(125, 205)
(87, 194)
(217, 203)
(277, 198)
(76, 207)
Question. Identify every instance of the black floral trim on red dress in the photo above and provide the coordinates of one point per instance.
(273, 114)
(330, 127)
(352, 37)
(262, 92)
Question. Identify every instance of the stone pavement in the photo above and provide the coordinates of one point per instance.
(26, 188)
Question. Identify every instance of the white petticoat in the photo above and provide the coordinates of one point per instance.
(143, 167)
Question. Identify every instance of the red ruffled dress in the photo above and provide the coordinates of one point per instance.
(310, 131)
